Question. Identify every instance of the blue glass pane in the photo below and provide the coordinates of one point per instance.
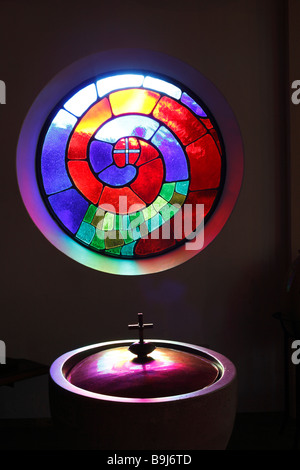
(126, 126)
(136, 234)
(70, 207)
(82, 100)
(118, 82)
(190, 103)
(53, 169)
(182, 187)
(173, 155)
(115, 176)
(100, 155)
(155, 222)
(128, 250)
(162, 86)
(86, 233)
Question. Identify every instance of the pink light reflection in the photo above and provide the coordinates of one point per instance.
(120, 361)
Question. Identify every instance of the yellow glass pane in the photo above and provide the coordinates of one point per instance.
(133, 101)
(97, 115)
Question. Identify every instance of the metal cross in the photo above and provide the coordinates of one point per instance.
(128, 150)
(140, 326)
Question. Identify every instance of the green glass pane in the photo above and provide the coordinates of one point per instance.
(177, 199)
(143, 229)
(149, 212)
(98, 240)
(113, 239)
(90, 213)
(167, 191)
(125, 222)
(108, 221)
(98, 218)
(159, 203)
(127, 235)
(118, 222)
(136, 219)
(115, 251)
(168, 211)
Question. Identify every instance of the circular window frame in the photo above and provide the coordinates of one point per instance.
(122, 61)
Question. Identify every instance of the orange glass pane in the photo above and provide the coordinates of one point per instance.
(133, 101)
(87, 126)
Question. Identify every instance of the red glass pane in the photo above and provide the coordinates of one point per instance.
(149, 180)
(120, 145)
(179, 119)
(157, 244)
(207, 122)
(126, 150)
(147, 153)
(133, 143)
(216, 139)
(190, 216)
(205, 163)
(120, 159)
(120, 200)
(205, 197)
(87, 126)
(85, 181)
(197, 198)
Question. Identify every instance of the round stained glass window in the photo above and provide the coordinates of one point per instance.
(129, 166)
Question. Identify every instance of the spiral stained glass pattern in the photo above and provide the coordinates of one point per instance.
(131, 165)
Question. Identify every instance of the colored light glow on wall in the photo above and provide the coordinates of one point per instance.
(120, 159)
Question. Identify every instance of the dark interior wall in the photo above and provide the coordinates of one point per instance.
(225, 297)
(294, 118)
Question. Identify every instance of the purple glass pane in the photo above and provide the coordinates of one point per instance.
(100, 155)
(173, 155)
(70, 207)
(190, 103)
(53, 168)
(115, 176)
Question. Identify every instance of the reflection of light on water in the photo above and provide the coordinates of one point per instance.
(121, 361)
